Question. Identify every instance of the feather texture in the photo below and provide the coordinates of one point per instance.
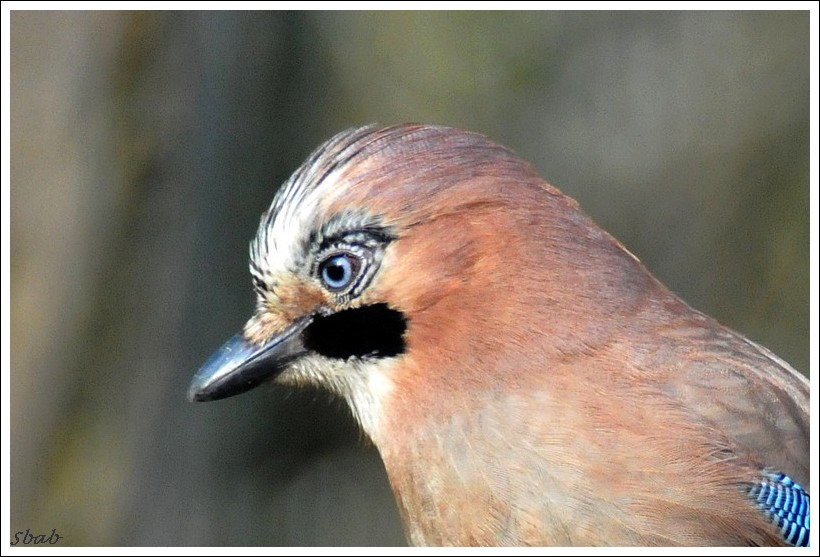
(548, 390)
(786, 503)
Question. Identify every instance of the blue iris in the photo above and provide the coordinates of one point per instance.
(338, 271)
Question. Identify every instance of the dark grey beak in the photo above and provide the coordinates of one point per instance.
(240, 366)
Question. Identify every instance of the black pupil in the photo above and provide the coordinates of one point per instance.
(335, 270)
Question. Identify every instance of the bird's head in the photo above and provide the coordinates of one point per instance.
(523, 377)
(408, 259)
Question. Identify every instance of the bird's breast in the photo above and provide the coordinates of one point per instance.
(535, 468)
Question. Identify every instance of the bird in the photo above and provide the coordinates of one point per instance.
(524, 378)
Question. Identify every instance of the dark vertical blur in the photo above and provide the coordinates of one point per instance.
(145, 145)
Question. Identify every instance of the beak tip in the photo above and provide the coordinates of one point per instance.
(198, 391)
(239, 365)
(193, 394)
(209, 381)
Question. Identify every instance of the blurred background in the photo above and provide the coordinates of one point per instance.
(145, 146)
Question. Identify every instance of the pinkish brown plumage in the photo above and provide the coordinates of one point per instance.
(525, 379)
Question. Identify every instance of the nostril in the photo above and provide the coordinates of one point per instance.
(375, 330)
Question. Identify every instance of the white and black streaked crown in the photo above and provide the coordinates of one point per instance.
(285, 227)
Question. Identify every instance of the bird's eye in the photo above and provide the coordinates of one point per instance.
(339, 271)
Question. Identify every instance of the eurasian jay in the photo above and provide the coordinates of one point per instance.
(524, 378)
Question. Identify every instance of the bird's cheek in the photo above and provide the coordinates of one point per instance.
(415, 276)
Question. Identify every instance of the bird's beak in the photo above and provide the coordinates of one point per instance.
(239, 366)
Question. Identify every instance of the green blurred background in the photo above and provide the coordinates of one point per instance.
(145, 146)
